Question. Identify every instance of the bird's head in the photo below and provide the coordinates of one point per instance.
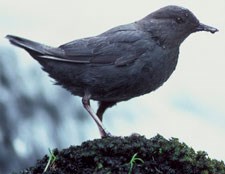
(172, 24)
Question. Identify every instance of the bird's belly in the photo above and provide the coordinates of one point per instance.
(132, 83)
(113, 83)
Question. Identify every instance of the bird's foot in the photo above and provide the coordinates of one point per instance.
(135, 134)
(104, 133)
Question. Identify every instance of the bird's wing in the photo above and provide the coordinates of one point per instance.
(119, 47)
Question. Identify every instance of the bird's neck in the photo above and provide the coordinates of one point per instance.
(160, 34)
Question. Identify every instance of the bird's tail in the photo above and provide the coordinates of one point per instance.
(34, 48)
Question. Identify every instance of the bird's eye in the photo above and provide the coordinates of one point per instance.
(179, 20)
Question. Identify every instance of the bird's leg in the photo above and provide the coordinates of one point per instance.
(86, 104)
(103, 105)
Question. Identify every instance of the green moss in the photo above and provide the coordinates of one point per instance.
(112, 155)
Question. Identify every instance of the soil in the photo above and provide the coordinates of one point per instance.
(128, 155)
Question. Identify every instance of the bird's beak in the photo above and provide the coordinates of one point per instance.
(203, 27)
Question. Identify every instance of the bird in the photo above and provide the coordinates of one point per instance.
(121, 63)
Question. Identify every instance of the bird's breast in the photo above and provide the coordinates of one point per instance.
(145, 75)
(154, 73)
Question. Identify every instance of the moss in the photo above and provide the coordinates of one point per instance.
(112, 155)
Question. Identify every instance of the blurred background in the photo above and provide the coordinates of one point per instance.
(36, 115)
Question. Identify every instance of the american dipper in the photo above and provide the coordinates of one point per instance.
(124, 62)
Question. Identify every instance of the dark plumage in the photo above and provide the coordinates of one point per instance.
(124, 62)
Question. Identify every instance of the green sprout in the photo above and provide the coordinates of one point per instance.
(51, 159)
(133, 160)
